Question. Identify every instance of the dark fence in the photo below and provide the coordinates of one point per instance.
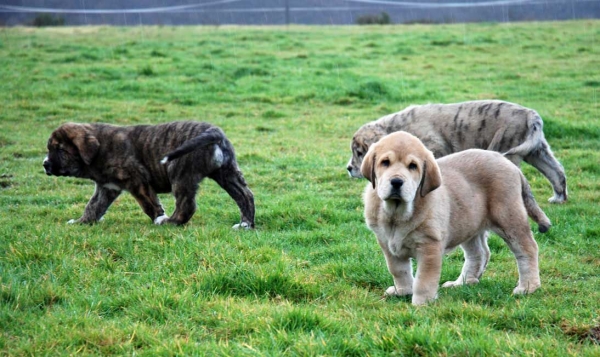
(280, 12)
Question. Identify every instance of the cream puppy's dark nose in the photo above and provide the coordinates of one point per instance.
(397, 183)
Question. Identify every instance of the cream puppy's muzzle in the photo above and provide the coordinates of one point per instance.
(396, 181)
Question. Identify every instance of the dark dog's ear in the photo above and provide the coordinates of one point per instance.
(431, 178)
(83, 139)
(368, 167)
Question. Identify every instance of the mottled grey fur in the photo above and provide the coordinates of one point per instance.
(508, 128)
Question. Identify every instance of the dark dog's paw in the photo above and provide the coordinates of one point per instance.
(161, 219)
(244, 225)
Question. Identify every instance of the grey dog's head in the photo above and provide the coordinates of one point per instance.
(71, 147)
(364, 137)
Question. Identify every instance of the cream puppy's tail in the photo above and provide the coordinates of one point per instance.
(533, 209)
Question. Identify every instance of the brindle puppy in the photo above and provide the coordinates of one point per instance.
(128, 158)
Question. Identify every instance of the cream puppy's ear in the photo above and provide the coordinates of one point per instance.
(368, 166)
(432, 177)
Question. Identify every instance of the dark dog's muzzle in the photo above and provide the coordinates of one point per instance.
(47, 167)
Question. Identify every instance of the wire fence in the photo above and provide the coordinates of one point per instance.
(277, 12)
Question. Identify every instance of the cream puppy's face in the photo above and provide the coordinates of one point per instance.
(399, 167)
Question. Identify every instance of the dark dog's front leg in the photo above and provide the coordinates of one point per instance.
(96, 208)
(148, 200)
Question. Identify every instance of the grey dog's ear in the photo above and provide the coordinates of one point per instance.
(431, 178)
(83, 139)
(368, 166)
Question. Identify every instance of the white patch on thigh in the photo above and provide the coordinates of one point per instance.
(217, 158)
(161, 219)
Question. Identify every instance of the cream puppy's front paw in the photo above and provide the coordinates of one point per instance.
(528, 289)
(392, 291)
(459, 282)
(422, 299)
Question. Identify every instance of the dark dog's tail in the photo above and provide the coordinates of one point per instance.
(534, 137)
(533, 209)
(211, 136)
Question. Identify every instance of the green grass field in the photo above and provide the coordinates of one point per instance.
(310, 279)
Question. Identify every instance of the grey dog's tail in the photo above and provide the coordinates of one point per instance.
(533, 209)
(534, 136)
(211, 136)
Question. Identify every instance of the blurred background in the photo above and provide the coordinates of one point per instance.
(281, 12)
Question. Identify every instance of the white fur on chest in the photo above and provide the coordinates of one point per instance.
(395, 229)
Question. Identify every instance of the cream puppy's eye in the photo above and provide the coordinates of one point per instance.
(385, 163)
(412, 166)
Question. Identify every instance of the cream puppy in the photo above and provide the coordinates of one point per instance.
(422, 208)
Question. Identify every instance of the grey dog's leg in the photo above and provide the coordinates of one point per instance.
(543, 160)
(96, 208)
(231, 180)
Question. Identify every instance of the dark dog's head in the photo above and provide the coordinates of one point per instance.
(71, 148)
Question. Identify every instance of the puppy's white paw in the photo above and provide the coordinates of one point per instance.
(451, 284)
(164, 160)
(392, 291)
(244, 225)
(459, 282)
(72, 221)
(161, 219)
(557, 199)
(522, 290)
(422, 300)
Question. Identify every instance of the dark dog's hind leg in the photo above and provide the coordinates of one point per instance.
(148, 200)
(231, 180)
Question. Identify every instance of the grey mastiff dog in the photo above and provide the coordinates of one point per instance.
(146, 160)
(508, 128)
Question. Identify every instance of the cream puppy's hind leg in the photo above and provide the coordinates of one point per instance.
(477, 255)
(517, 234)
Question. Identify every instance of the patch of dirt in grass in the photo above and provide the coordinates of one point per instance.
(583, 333)
(5, 181)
